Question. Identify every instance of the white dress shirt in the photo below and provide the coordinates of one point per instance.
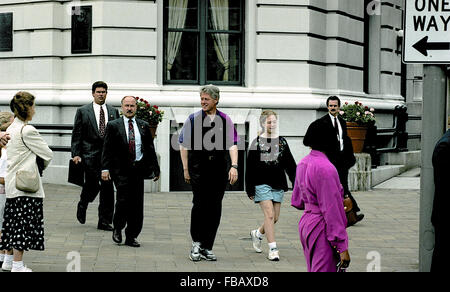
(340, 138)
(97, 113)
(137, 137)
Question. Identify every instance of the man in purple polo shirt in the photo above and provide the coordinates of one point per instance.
(207, 139)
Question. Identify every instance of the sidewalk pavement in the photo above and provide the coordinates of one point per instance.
(387, 238)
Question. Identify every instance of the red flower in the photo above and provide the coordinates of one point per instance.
(147, 105)
(155, 106)
(158, 112)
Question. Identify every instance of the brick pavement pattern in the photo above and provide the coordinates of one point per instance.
(389, 230)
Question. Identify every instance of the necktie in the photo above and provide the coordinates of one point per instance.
(101, 128)
(336, 128)
(131, 141)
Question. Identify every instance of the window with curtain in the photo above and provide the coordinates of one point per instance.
(6, 32)
(203, 41)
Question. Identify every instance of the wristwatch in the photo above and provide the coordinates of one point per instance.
(234, 166)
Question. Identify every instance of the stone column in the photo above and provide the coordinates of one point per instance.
(360, 175)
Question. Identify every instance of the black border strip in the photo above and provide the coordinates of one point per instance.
(318, 9)
(312, 62)
(62, 2)
(94, 28)
(313, 35)
(79, 56)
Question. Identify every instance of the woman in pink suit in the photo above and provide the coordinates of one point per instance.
(318, 191)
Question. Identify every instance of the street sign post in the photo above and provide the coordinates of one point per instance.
(426, 37)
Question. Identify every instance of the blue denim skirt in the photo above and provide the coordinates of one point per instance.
(266, 193)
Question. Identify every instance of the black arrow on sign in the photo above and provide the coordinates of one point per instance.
(423, 46)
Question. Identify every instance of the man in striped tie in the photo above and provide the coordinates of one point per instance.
(87, 144)
(128, 158)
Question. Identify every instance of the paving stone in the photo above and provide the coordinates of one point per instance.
(390, 228)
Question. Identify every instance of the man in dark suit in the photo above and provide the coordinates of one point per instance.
(128, 158)
(340, 150)
(439, 217)
(87, 144)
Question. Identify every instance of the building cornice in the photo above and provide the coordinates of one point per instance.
(188, 96)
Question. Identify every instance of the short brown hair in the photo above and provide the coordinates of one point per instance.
(21, 104)
(99, 84)
(264, 115)
(5, 119)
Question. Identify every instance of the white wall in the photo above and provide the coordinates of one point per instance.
(297, 53)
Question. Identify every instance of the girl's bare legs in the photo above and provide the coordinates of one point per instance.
(271, 212)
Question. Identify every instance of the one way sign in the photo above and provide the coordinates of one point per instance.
(426, 31)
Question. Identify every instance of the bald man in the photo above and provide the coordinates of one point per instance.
(128, 158)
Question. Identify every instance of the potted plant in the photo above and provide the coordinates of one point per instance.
(149, 113)
(358, 118)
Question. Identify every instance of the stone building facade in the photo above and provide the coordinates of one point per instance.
(287, 55)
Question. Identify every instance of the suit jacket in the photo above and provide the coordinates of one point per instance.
(23, 157)
(116, 156)
(440, 159)
(340, 160)
(86, 140)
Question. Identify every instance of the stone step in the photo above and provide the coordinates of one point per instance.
(415, 172)
(384, 172)
(400, 183)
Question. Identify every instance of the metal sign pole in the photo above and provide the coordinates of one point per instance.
(433, 127)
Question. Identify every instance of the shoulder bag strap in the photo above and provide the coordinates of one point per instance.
(21, 136)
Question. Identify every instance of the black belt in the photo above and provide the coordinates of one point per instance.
(136, 163)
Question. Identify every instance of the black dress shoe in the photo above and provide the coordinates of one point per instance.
(132, 242)
(81, 213)
(359, 217)
(105, 226)
(117, 236)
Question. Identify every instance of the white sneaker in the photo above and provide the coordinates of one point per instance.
(7, 266)
(207, 254)
(23, 269)
(274, 255)
(194, 255)
(256, 241)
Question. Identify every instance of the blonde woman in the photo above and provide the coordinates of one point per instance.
(268, 161)
(6, 118)
(23, 230)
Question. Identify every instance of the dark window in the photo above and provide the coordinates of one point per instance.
(6, 32)
(203, 42)
(81, 29)
(366, 48)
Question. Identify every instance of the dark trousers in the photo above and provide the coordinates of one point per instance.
(441, 256)
(92, 186)
(343, 177)
(129, 210)
(208, 190)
